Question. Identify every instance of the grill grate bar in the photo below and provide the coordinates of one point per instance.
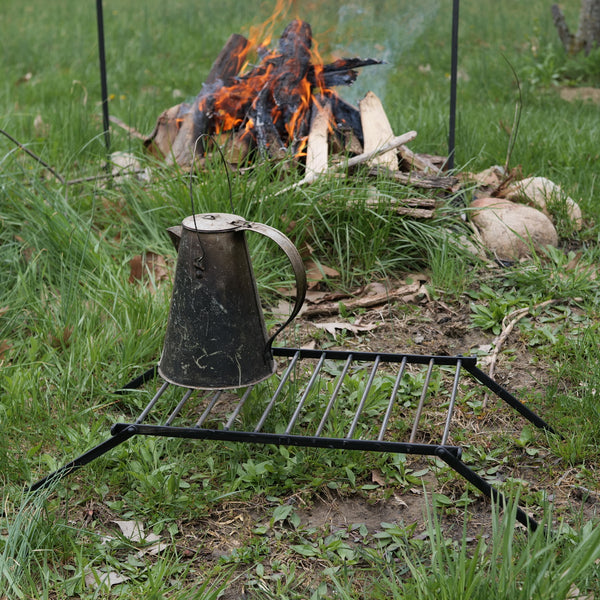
(208, 409)
(364, 397)
(309, 386)
(283, 381)
(238, 408)
(393, 395)
(413, 433)
(178, 408)
(152, 402)
(336, 391)
(452, 402)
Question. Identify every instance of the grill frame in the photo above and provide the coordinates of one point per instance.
(295, 357)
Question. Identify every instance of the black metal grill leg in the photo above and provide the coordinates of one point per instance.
(86, 458)
(483, 486)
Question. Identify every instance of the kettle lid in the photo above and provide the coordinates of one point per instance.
(213, 222)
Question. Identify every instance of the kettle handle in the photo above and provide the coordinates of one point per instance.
(297, 265)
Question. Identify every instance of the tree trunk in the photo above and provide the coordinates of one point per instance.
(588, 32)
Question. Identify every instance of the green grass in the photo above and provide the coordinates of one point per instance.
(73, 327)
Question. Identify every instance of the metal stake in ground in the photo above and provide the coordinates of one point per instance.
(103, 86)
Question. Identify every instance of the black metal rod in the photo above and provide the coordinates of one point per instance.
(388, 412)
(482, 485)
(364, 397)
(152, 402)
(509, 398)
(117, 438)
(336, 391)
(413, 433)
(286, 440)
(238, 408)
(453, 85)
(286, 375)
(451, 405)
(139, 381)
(309, 386)
(179, 407)
(103, 84)
(417, 359)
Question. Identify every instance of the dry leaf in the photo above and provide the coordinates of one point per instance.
(152, 550)
(317, 272)
(132, 530)
(148, 266)
(333, 327)
(377, 477)
(4, 348)
(24, 79)
(98, 579)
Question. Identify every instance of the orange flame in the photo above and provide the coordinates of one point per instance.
(232, 106)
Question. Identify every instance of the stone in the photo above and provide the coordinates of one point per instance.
(546, 195)
(511, 230)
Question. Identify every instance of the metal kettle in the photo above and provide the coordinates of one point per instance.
(216, 336)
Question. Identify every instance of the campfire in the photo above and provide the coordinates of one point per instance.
(268, 108)
(285, 107)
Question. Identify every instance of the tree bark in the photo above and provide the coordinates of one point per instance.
(588, 31)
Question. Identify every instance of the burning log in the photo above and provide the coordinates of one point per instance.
(284, 107)
(193, 124)
(269, 107)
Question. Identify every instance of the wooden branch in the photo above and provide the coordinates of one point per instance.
(507, 327)
(403, 293)
(417, 208)
(130, 130)
(377, 131)
(33, 155)
(418, 161)
(316, 147)
(226, 66)
(419, 180)
(352, 162)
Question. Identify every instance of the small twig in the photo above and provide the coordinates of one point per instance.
(507, 327)
(34, 156)
(134, 132)
(104, 176)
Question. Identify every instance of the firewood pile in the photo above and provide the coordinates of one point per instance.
(285, 109)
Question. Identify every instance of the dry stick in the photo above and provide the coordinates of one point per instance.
(133, 132)
(352, 162)
(34, 156)
(507, 328)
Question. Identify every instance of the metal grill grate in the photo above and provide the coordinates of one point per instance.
(329, 399)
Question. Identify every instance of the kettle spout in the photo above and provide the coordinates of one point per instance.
(175, 235)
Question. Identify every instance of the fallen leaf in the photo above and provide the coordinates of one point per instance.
(98, 579)
(377, 477)
(4, 348)
(132, 530)
(148, 266)
(40, 127)
(375, 288)
(334, 326)
(317, 272)
(62, 339)
(152, 550)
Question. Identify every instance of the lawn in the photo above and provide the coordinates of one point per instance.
(80, 317)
